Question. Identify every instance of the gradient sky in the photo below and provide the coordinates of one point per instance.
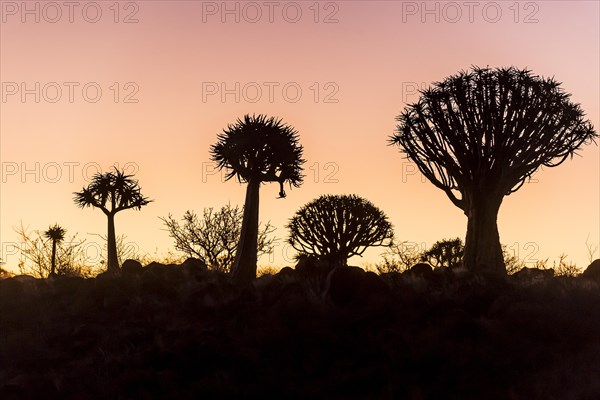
(356, 73)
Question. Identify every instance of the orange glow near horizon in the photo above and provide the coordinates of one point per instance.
(175, 75)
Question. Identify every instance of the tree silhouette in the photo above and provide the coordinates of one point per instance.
(38, 252)
(399, 257)
(479, 135)
(444, 253)
(257, 149)
(337, 227)
(112, 192)
(56, 234)
(214, 236)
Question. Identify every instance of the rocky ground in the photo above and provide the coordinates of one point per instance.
(181, 332)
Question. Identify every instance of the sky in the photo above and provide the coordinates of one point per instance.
(148, 85)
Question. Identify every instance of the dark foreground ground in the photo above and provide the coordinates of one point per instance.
(182, 333)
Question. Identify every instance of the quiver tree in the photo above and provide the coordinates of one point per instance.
(55, 233)
(480, 134)
(444, 253)
(255, 150)
(43, 258)
(112, 192)
(337, 227)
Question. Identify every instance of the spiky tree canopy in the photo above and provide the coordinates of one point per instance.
(337, 227)
(490, 128)
(112, 192)
(260, 149)
(56, 233)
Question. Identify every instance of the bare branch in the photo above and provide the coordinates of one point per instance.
(214, 237)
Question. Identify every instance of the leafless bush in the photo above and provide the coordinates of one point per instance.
(512, 262)
(591, 250)
(36, 251)
(214, 237)
(565, 268)
(399, 257)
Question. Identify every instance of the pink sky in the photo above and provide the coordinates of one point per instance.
(364, 62)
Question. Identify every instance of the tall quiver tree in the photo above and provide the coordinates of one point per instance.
(480, 134)
(257, 149)
(112, 192)
(55, 233)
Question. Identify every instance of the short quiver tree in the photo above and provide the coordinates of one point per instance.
(112, 192)
(480, 134)
(256, 150)
(55, 233)
(337, 227)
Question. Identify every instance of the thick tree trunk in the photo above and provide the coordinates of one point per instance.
(111, 260)
(244, 267)
(53, 269)
(483, 251)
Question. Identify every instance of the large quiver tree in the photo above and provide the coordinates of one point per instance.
(480, 134)
(256, 150)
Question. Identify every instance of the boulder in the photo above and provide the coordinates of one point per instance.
(343, 284)
(592, 271)
(313, 272)
(533, 275)
(421, 269)
(132, 267)
(373, 288)
(155, 267)
(193, 264)
(353, 286)
(23, 278)
(286, 272)
(311, 266)
(286, 275)
(271, 287)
